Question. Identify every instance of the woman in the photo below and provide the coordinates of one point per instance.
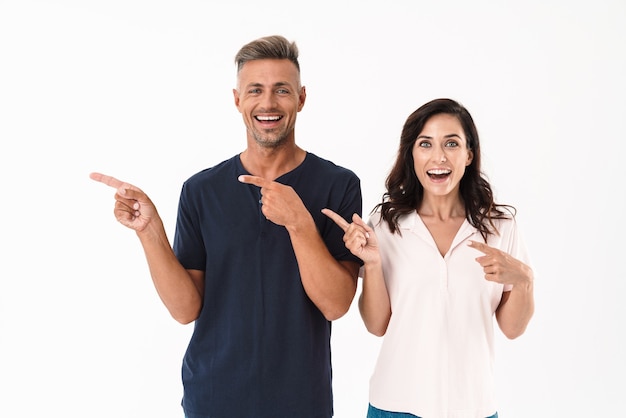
(441, 258)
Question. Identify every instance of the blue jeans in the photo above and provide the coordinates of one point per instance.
(373, 412)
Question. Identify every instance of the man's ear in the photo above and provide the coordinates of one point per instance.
(236, 97)
(301, 98)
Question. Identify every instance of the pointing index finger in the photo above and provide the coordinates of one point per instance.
(121, 186)
(480, 246)
(256, 180)
(108, 180)
(343, 224)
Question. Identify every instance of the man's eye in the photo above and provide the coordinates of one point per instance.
(282, 91)
(254, 91)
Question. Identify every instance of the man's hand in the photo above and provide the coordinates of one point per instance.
(279, 203)
(133, 208)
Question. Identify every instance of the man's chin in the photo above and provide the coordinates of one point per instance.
(270, 142)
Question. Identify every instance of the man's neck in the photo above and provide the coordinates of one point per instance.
(271, 163)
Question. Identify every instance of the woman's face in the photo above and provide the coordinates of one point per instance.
(440, 155)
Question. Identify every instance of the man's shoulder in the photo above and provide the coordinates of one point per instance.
(325, 165)
(216, 171)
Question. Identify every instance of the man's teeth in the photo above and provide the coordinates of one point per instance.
(268, 118)
(438, 172)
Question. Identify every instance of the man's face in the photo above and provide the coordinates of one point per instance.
(269, 96)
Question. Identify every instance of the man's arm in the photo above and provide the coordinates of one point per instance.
(329, 283)
(180, 290)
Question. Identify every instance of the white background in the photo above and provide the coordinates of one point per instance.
(142, 90)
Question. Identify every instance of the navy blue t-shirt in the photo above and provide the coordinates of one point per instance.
(260, 348)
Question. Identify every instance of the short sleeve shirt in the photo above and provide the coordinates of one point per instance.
(260, 347)
(436, 358)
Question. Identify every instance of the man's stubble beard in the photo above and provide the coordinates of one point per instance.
(270, 140)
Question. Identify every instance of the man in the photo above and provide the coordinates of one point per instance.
(255, 263)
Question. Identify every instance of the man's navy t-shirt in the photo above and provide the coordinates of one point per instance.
(260, 348)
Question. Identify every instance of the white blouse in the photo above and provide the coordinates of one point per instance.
(436, 358)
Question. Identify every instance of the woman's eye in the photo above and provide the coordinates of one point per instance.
(424, 144)
(452, 144)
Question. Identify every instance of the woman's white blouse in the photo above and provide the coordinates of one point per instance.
(436, 358)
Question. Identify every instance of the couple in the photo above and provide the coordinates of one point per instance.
(269, 245)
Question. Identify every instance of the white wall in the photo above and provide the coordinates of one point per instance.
(142, 90)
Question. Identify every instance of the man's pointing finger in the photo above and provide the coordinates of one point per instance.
(256, 180)
(108, 180)
(113, 182)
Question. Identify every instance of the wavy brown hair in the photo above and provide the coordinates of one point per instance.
(404, 191)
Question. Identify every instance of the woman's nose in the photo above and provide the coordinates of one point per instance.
(440, 156)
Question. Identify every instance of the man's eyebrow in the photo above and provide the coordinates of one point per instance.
(277, 84)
